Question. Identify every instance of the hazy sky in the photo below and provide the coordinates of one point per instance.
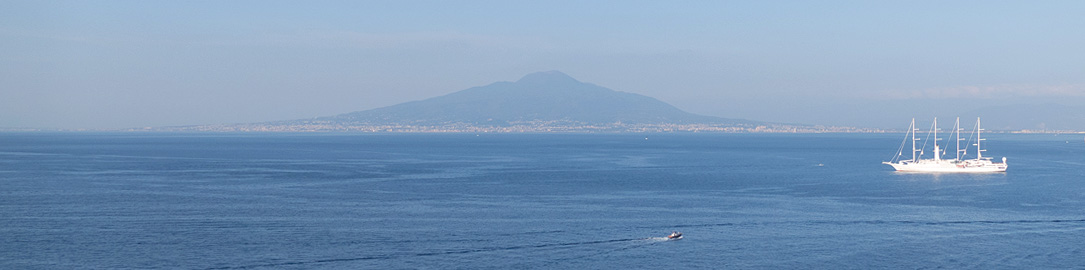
(118, 64)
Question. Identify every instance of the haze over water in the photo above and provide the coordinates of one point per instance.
(514, 201)
(132, 64)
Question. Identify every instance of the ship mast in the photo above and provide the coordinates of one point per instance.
(912, 129)
(957, 127)
(979, 130)
(937, 156)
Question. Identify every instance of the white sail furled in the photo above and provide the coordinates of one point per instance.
(937, 163)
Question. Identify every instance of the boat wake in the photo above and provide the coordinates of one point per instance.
(425, 254)
(642, 242)
(661, 239)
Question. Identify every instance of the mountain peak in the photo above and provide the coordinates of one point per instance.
(542, 97)
(547, 77)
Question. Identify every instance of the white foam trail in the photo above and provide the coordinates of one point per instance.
(659, 239)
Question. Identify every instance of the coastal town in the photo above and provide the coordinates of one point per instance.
(518, 127)
(513, 127)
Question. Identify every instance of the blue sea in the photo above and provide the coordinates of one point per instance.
(529, 201)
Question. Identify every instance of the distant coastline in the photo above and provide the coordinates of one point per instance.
(525, 128)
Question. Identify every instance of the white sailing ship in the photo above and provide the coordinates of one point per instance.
(939, 164)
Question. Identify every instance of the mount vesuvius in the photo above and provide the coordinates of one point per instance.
(539, 102)
(538, 97)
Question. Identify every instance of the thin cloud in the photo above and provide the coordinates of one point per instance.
(988, 92)
(362, 40)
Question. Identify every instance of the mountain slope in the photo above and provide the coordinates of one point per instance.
(543, 96)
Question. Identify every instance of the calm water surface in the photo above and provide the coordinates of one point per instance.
(461, 201)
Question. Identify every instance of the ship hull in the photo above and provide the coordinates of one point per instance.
(949, 166)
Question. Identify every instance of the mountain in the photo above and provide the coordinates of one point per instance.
(539, 102)
(538, 97)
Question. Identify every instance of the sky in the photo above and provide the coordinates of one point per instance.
(130, 64)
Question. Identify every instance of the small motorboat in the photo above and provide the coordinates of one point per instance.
(675, 236)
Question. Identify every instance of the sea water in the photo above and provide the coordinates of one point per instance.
(527, 201)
